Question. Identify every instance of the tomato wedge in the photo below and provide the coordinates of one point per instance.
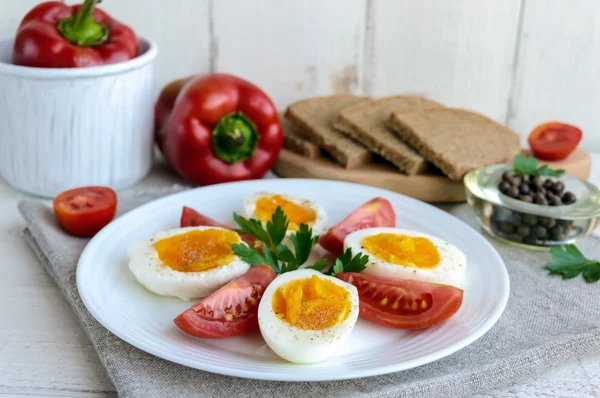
(191, 218)
(402, 303)
(377, 212)
(85, 211)
(230, 311)
(554, 140)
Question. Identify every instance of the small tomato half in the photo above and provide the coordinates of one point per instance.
(554, 140)
(85, 211)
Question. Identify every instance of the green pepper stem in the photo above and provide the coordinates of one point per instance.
(235, 138)
(82, 29)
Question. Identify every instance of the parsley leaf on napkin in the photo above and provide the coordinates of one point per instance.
(569, 262)
(528, 166)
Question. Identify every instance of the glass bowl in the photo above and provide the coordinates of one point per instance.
(526, 224)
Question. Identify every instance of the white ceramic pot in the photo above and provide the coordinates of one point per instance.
(66, 127)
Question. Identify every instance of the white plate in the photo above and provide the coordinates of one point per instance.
(117, 301)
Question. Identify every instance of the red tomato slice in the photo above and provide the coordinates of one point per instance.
(230, 311)
(85, 211)
(377, 212)
(191, 218)
(554, 140)
(403, 303)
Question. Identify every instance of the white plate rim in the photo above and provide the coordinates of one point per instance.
(495, 315)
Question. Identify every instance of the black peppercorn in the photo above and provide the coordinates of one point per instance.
(540, 199)
(523, 230)
(568, 198)
(555, 201)
(558, 187)
(527, 198)
(548, 222)
(548, 184)
(530, 219)
(540, 232)
(513, 192)
(524, 188)
(504, 187)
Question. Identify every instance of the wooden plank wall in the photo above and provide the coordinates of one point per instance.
(520, 62)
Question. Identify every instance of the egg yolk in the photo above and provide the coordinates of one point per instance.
(197, 251)
(312, 303)
(405, 250)
(296, 214)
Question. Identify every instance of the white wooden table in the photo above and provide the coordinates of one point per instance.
(45, 353)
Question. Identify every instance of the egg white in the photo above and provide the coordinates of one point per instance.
(159, 278)
(299, 345)
(449, 271)
(320, 225)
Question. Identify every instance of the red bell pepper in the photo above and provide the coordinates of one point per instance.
(217, 128)
(55, 35)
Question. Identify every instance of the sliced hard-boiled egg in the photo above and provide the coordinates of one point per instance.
(305, 316)
(404, 254)
(262, 205)
(188, 262)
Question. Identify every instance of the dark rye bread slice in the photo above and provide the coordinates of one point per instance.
(296, 141)
(456, 140)
(315, 117)
(367, 123)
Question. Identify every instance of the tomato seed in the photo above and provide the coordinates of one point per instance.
(228, 317)
(383, 302)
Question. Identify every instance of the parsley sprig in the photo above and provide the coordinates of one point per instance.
(279, 256)
(347, 263)
(569, 262)
(528, 166)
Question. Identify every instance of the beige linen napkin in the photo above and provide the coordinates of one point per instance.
(547, 322)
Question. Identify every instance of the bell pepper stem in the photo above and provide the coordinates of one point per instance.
(82, 29)
(234, 138)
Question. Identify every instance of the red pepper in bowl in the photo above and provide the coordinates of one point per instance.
(56, 35)
(217, 128)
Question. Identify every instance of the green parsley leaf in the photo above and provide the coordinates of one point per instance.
(338, 267)
(303, 241)
(347, 263)
(248, 254)
(569, 262)
(251, 227)
(319, 265)
(278, 226)
(528, 165)
(284, 254)
(270, 258)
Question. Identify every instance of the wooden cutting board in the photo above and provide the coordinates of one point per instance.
(426, 187)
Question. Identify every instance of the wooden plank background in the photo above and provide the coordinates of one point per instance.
(521, 62)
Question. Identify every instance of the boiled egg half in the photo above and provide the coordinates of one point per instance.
(403, 254)
(262, 205)
(188, 262)
(305, 316)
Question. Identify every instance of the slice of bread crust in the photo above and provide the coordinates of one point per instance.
(296, 141)
(315, 117)
(367, 123)
(456, 140)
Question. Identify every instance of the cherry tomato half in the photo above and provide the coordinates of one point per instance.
(85, 211)
(377, 212)
(554, 140)
(230, 311)
(402, 303)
